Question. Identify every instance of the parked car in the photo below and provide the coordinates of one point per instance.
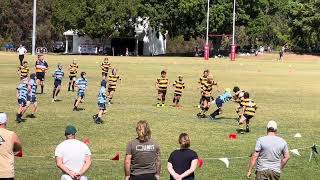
(58, 47)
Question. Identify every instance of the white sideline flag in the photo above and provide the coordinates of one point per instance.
(295, 151)
(225, 161)
(298, 135)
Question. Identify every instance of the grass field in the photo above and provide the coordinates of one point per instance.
(288, 92)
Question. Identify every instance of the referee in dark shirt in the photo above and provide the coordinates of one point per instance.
(183, 162)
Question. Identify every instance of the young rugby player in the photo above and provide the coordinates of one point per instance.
(73, 70)
(22, 93)
(23, 70)
(220, 100)
(202, 81)
(162, 84)
(101, 103)
(112, 79)
(41, 68)
(237, 98)
(105, 66)
(81, 84)
(249, 108)
(57, 75)
(206, 97)
(32, 96)
(179, 86)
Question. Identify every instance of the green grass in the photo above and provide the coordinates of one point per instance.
(291, 98)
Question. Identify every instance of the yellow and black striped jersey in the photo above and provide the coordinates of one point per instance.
(112, 79)
(24, 71)
(249, 107)
(105, 66)
(238, 97)
(202, 81)
(207, 89)
(73, 69)
(179, 86)
(162, 83)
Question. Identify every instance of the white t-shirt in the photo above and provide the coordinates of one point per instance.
(73, 153)
(21, 50)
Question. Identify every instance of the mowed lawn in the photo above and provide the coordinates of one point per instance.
(288, 92)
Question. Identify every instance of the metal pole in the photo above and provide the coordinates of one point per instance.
(34, 26)
(207, 36)
(234, 22)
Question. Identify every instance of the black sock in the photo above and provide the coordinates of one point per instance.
(42, 88)
(215, 113)
(174, 100)
(69, 86)
(57, 92)
(73, 86)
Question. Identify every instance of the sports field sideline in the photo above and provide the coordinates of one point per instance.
(288, 92)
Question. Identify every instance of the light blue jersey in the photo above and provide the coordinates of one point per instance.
(102, 95)
(33, 86)
(225, 97)
(22, 91)
(82, 85)
(58, 74)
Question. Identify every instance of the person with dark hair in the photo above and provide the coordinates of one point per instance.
(271, 154)
(73, 157)
(162, 84)
(220, 100)
(206, 97)
(23, 70)
(237, 98)
(41, 69)
(22, 95)
(21, 51)
(105, 66)
(10, 146)
(112, 79)
(142, 161)
(178, 87)
(183, 162)
(249, 108)
(73, 70)
(101, 103)
(203, 79)
(32, 96)
(82, 84)
(57, 75)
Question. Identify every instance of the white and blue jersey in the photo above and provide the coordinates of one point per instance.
(58, 74)
(82, 85)
(32, 91)
(22, 94)
(223, 99)
(102, 98)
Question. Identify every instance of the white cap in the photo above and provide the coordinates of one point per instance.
(272, 124)
(3, 118)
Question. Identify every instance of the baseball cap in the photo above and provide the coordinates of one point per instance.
(70, 130)
(3, 118)
(272, 124)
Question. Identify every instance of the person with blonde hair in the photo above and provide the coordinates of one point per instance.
(183, 162)
(142, 161)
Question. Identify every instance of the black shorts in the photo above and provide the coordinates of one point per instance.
(32, 99)
(72, 78)
(163, 92)
(206, 98)
(21, 57)
(40, 75)
(248, 117)
(102, 106)
(177, 95)
(104, 73)
(143, 177)
(57, 82)
(22, 102)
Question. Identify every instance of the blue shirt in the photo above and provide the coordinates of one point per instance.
(225, 97)
(82, 84)
(102, 95)
(33, 86)
(58, 74)
(22, 91)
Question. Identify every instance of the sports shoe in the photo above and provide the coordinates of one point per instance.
(94, 117)
(247, 129)
(162, 105)
(158, 105)
(75, 109)
(52, 100)
(240, 131)
(199, 106)
(32, 116)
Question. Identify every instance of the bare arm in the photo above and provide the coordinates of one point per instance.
(86, 165)
(193, 167)
(158, 165)
(16, 143)
(63, 168)
(127, 164)
(172, 172)
(252, 162)
(286, 157)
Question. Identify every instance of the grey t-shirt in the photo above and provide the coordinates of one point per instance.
(144, 156)
(271, 149)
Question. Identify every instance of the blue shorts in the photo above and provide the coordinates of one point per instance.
(219, 102)
(81, 95)
(22, 102)
(32, 99)
(57, 82)
(102, 106)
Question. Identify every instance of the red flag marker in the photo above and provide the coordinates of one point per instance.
(116, 157)
(200, 163)
(232, 136)
(19, 154)
(86, 141)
